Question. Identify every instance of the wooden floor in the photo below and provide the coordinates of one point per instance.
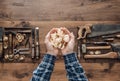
(47, 14)
(60, 10)
(23, 71)
(94, 71)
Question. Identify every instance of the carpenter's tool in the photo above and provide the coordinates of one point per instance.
(103, 29)
(98, 47)
(37, 43)
(20, 37)
(111, 36)
(21, 51)
(110, 55)
(97, 52)
(16, 57)
(98, 43)
(109, 39)
(10, 44)
(24, 31)
(33, 44)
(22, 58)
(97, 30)
(5, 42)
(1, 42)
(85, 48)
(83, 31)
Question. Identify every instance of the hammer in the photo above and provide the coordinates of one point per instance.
(85, 48)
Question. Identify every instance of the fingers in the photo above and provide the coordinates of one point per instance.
(65, 30)
(72, 39)
(51, 31)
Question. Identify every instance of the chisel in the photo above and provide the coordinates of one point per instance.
(37, 46)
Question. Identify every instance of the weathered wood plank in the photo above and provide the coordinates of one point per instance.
(45, 10)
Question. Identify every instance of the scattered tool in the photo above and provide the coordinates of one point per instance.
(111, 36)
(85, 48)
(33, 44)
(37, 43)
(110, 55)
(109, 39)
(22, 58)
(98, 47)
(5, 41)
(83, 31)
(10, 44)
(25, 31)
(98, 43)
(1, 42)
(20, 37)
(97, 52)
(21, 51)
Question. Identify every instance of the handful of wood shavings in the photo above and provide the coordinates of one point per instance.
(59, 39)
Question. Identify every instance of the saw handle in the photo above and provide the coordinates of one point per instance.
(83, 31)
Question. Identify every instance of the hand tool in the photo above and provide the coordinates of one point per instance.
(98, 47)
(20, 37)
(10, 44)
(83, 31)
(84, 48)
(91, 52)
(5, 38)
(97, 52)
(110, 55)
(24, 31)
(1, 42)
(33, 43)
(37, 43)
(21, 51)
(11, 57)
(6, 57)
(109, 39)
(22, 57)
(98, 43)
(5, 42)
(103, 29)
(5, 45)
(111, 36)
(16, 57)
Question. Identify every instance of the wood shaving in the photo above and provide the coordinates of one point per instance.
(59, 39)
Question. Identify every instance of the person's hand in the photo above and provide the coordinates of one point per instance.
(70, 46)
(50, 49)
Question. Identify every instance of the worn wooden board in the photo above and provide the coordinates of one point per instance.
(45, 10)
(23, 71)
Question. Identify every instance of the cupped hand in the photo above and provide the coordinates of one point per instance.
(70, 46)
(50, 49)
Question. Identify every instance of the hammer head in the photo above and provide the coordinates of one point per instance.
(83, 48)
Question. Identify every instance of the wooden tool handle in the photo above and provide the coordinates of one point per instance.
(98, 47)
(84, 30)
(110, 55)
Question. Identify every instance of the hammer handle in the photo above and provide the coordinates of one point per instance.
(98, 47)
(111, 55)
